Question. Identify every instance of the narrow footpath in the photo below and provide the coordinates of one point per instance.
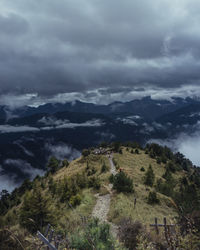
(102, 206)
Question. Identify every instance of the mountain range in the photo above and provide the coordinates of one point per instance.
(30, 135)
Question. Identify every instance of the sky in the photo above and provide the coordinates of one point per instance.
(98, 50)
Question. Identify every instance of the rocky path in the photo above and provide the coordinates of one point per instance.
(102, 206)
(112, 166)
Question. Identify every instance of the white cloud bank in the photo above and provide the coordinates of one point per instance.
(62, 151)
(189, 145)
(54, 124)
(17, 129)
(10, 182)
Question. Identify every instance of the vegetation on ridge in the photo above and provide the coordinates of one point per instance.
(151, 182)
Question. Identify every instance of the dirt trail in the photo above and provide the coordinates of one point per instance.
(102, 206)
(112, 166)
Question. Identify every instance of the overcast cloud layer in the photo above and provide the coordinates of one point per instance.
(83, 47)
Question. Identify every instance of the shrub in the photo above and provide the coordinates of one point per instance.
(93, 236)
(75, 200)
(136, 151)
(123, 183)
(116, 146)
(149, 177)
(129, 232)
(91, 170)
(158, 160)
(111, 178)
(172, 167)
(167, 175)
(85, 152)
(104, 168)
(163, 159)
(53, 164)
(81, 180)
(65, 163)
(94, 182)
(152, 198)
(52, 185)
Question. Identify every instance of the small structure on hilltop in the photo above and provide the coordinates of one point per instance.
(102, 151)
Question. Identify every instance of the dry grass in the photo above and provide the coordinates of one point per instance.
(79, 165)
(70, 219)
(122, 205)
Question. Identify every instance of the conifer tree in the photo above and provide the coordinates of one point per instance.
(53, 164)
(149, 177)
(35, 212)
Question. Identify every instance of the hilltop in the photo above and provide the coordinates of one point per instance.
(114, 183)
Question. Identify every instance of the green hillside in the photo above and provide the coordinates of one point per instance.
(147, 183)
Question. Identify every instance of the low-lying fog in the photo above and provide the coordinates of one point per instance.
(189, 145)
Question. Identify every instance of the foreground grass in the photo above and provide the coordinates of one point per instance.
(71, 218)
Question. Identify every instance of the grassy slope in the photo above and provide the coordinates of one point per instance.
(68, 219)
(123, 205)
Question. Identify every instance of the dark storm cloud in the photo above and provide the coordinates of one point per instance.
(76, 46)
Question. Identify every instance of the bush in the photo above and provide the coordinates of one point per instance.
(129, 232)
(158, 160)
(123, 183)
(149, 177)
(136, 151)
(111, 178)
(172, 167)
(65, 163)
(85, 152)
(81, 180)
(53, 164)
(164, 159)
(104, 168)
(75, 200)
(94, 182)
(93, 236)
(162, 188)
(91, 171)
(167, 175)
(152, 198)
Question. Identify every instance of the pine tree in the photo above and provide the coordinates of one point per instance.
(35, 212)
(53, 164)
(149, 177)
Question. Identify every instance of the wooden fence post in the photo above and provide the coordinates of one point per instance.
(166, 230)
(156, 225)
(51, 235)
(47, 230)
